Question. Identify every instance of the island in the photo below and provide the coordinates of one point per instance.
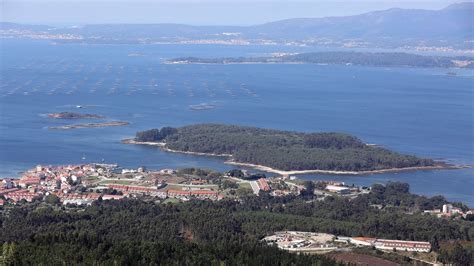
(71, 115)
(91, 125)
(283, 152)
(387, 59)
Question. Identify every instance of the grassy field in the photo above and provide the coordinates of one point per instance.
(91, 178)
(244, 185)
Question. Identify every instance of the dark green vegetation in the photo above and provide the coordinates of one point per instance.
(155, 134)
(457, 253)
(283, 149)
(342, 58)
(208, 233)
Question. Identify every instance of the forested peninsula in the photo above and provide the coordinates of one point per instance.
(392, 59)
(285, 151)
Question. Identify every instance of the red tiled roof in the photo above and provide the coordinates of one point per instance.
(8, 190)
(263, 184)
(203, 192)
(363, 238)
(178, 192)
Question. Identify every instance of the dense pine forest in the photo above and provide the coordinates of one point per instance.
(282, 150)
(132, 231)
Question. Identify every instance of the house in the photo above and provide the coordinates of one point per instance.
(7, 183)
(6, 191)
(112, 197)
(78, 202)
(152, 191)
(402, 245)
(174, 193)
(362, 241)
(338, 189)
(263, 184)
(78, 199)
(199, 194)
(19, 195)
(167, 171)
(449, 209)
(28, 180)
(205, 194)
(387, 244)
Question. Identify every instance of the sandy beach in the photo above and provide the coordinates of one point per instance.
(315, 171)
(132, 141)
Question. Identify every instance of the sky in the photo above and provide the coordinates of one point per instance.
(194, 12)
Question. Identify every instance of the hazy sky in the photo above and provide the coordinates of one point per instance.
(196, 12)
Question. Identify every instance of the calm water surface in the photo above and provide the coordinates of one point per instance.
(416, 111)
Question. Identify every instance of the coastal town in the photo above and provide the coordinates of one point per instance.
(83, 184)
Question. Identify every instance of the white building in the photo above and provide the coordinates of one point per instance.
(447, 208)
(387, 244)
(401, 245)
(167, 171)
(338, 189)
(362, 241)
(129, 171)
(78, 201)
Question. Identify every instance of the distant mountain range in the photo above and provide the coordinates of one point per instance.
(452, 26)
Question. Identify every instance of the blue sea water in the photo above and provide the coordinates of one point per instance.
(411, 110)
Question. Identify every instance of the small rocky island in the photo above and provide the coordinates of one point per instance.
(92, 125)
(71, 115)
(283, 152)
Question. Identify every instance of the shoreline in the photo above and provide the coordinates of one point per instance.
(264, 168)
(90, 125)
(335, 172)
(310, 63)
(162, 145)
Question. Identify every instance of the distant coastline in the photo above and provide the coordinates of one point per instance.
(230, 161)
(386, 59)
